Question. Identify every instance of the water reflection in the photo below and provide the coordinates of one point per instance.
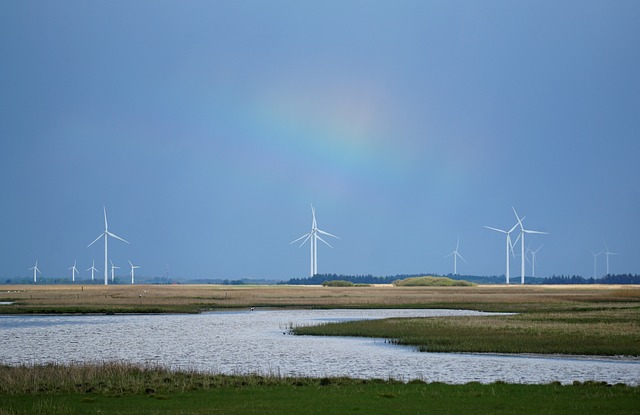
(256, 342)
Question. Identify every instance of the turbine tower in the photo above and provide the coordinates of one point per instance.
(73, 271)
(509, 246)
(92, 269)
(524, 231)
(113, 267)
(313, 238)
(533, 259)
(35, 271)
(106, 234)
(595, 261)
(456, 254)
(133, 267)
(607, 254)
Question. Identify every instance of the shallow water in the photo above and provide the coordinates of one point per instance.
(242, 342)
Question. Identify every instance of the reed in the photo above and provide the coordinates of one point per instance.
(127, 389)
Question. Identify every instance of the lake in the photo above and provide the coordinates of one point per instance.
(243, 342)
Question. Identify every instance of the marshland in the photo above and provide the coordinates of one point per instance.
(568, 320)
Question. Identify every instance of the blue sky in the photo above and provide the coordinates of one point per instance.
(207, 128)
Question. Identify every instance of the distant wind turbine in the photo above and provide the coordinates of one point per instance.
(73, 271)
(313, 237)
(456, 254)
(133, 268)
(524, 231)
(607, 253)
(533, 260)
(35, 271)
(92, 269)
(509, 246)
(106, 234)
(595, 261)
(113, 267)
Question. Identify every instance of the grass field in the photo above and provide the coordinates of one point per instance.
(125, 389)
(196, 298)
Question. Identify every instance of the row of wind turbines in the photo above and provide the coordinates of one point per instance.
(314, 236)
(106, 234)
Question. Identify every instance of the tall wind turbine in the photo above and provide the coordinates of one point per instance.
(456, 254)
(509, 245)
(73, 271)
(533, 259)
(133, 267)
(313, 237)
(595, 261)
(113, 267)
(106, 234)
(92, 269)
(524, 231)
(607, 254)
(35, 271)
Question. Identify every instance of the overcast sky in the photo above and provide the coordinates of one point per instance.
(208, 128)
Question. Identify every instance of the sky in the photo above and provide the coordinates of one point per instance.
(208, 128)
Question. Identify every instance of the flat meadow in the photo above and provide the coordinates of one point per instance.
(584, 319)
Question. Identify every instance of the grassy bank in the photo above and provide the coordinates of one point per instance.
(125, 389)
(614, 331)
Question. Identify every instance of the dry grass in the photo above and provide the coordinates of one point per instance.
(202, 297)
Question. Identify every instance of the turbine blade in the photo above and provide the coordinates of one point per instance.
(101, 235)
(305, 239)
(496, 229)
(327, 233)
(514, 227)
(538, 232)
(325, 242)
(460, 256)
(106, 226)
(113, 235)
(303, 236)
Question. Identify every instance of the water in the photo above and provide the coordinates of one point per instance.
(243, 342)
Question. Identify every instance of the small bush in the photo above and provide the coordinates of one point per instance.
(338, 283)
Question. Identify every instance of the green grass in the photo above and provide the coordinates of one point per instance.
(126, 389)
(605, 332)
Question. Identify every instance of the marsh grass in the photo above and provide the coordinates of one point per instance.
(129, 389)
(606, 332)
(50, 299)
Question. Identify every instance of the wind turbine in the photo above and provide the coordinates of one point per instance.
(106, 234)
(73, 271)
(35, 271)
(113, 267)
(92, 269)
(509, 245)
(133, 267)
(595, 261)
(533, 259)
(456, 254)
(313, 237)
(607, 253)
(523, 231)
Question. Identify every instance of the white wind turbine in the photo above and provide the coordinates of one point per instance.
(607, 254)
(133, 267)
(106, 234)
(313, 237)
(113, 267)
(509, 246)
(595, 261)
(35, 271)
(73, 271)
(523, 231)
(456, 254)
(533, 259)
(92, 269)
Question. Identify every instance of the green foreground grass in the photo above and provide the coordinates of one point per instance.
(607, 332)
(127, 389)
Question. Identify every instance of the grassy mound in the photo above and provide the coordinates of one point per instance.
(429, 281)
